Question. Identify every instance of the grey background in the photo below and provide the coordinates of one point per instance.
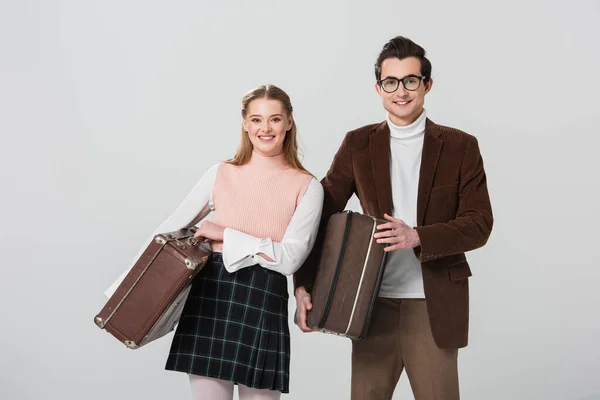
(110, 111)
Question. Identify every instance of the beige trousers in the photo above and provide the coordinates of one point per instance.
(399, 338)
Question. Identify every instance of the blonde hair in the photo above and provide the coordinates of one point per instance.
(290, 143)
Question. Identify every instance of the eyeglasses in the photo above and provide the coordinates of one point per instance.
(410, 82)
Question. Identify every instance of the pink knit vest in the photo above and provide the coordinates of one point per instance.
(258, 198)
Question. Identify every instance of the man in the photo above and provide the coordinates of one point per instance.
(428, 182)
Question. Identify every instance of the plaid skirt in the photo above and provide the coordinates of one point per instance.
(234, 326)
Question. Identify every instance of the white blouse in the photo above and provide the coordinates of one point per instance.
(241, 250)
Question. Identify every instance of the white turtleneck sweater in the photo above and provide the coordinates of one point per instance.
(403, 277)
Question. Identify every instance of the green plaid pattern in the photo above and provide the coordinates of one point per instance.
(234, 326)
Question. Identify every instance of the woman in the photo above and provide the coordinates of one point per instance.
(266, 210)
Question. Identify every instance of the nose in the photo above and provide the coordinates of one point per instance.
(266, 127)
(401, 91)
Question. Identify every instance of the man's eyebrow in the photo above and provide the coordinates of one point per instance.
(406, 76)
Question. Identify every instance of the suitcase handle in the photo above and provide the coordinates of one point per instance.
(191, 240)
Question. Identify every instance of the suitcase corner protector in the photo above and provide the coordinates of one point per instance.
(131, 344)
(99, 322)
(191, 264)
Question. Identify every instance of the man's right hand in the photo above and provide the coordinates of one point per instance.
(303, 305)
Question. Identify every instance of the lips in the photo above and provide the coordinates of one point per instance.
(266, 138)
(402, 102)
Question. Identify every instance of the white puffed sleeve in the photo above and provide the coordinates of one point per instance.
(241, 250)
(196, 206)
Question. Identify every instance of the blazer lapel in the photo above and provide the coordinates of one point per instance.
(432, 147)
(380, 161)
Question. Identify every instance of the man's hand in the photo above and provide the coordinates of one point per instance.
(208, 231)
(303, 305)
(397, 234)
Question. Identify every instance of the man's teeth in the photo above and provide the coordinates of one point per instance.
(401, 102)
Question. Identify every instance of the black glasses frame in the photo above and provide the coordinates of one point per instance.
(398, 80)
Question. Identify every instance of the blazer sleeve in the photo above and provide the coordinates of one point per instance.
(338, 187)
(474, 220)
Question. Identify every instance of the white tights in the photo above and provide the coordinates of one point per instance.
(204, 388)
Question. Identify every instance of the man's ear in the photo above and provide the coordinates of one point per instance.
(378, 89)
(428, 85)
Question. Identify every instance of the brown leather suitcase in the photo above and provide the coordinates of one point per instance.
(148, 302)
(348, 276)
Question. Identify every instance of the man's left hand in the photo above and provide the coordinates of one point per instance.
(396, 234)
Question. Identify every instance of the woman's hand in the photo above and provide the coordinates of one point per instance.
(209, 231)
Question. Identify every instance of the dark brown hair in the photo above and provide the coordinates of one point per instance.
(401, 48)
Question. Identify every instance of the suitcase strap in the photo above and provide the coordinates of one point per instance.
(362, 276)
(336, 273)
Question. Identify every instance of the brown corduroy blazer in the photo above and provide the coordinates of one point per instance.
(454, 213)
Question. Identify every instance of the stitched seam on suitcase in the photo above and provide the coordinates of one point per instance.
(139, 278)
(168, 298)
(168, 324)
(337, 272)
(375, 294)
(362, 277)
(153, 318)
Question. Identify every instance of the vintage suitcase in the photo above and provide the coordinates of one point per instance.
(148, 302)
(348, 276)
